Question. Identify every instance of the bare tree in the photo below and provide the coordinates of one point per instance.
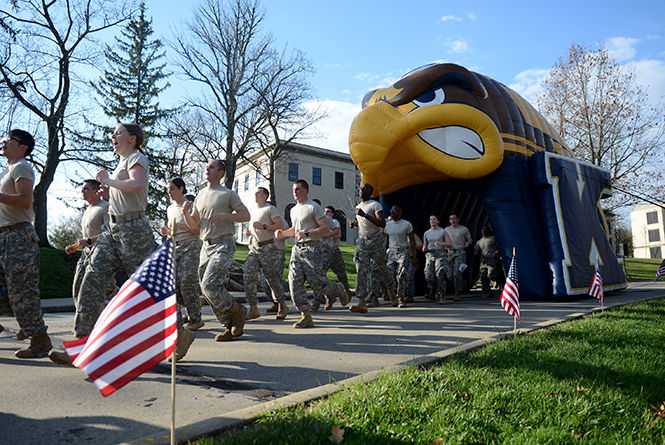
(223, 51)
(607, 120)
(40, 42)
(283, 90)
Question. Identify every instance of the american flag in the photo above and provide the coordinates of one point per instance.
(136, 330)
(596, 288)
(510, 296)
(661, 270)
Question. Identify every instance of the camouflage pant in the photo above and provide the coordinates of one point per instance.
(374, 281)
(488, 271)
(214, 266)
(326, 253)
(123, 246)
(368, 250)
(455, 259)
(306, 264)
(187, 287)
(399, 263)
(338, 266)
(19, 276)
(79, 273)
(281, 257)
(436, 270)
(265, 258)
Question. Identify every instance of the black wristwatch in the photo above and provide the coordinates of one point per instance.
(306, 232)
(265, 227)
(89, 241)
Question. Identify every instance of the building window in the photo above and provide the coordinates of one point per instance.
(357, 186)
(293, 171)
(654, 235)
(316, 176)
(258, 177)
(654, 252)
(339, 180)
(247, 181)
(235, 185)
(652, 217)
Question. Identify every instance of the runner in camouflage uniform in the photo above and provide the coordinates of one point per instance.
(19, 249)
(461, 240)
(401, 251)
(370, 245)
(263, 255)
(489, 262)
(435, 242)
(186, 255)
(308, 225)
(215, 210)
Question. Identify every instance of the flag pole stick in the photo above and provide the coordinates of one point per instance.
(514, 317)
(173, 360)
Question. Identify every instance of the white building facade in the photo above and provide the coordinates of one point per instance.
(332, 177)
(648, 227)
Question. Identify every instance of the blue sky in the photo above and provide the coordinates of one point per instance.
(360, 45)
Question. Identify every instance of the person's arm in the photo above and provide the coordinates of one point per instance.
(424, 243)
(412, 247)
(134, 184)
(22, 199)
(469, 240)
(336, 233)
(193, 220)
(281, 234)
(321, 231)
(240, 214)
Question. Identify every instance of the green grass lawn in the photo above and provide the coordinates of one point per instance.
(599, 379)
(641, 269)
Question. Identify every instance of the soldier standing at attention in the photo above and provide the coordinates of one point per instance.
(308, 225)
(19, 249)
(215, 210)
(264, 255)
(401, 250)
(370, 246)
(461, 239)
(186, 255)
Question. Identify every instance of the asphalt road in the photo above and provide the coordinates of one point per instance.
(224, 382)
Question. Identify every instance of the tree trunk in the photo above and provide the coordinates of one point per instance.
(40, 195)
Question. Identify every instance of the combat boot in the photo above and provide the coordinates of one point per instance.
(61, 358)
(390, 291)
(253, 312)
(21, 335)
(282, 311)
(195, 325)
(401, 303)
(374, 301)
(272, 309)
(430, 294)
(361, 307)
(1, 328)
(384, 293)
(342, 295)
(329, 302)
(315, 305)
(224, 336)
(238, 314)
(39, 346)
(458, 295)
(305, 321)
(185, 340)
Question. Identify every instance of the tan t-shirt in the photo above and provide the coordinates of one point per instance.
(305, 216)
(265, 214)
(128, 202)
(434, 235)
(398, 233)
(9, 215)
(94, 218)
(174, 216)
(366, 228)
(333, 223)
(458, 235)
(487, 246)
(216, 199)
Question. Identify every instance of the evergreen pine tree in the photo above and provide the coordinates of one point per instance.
(128, 91)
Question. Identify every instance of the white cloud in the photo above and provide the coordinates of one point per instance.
(333, 132)
(650, 75)
(457, 46)
(471, 16)
(528, 83)
(622, 48)
(448, 18)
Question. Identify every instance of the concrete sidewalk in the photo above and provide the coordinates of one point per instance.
(273, 365)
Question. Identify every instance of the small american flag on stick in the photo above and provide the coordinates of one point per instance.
(136, 330)
(510, 296)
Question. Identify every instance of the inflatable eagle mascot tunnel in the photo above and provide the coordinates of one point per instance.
(443, 140)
